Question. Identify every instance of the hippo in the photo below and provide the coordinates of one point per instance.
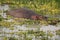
(25, 13)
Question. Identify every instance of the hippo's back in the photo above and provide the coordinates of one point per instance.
(21, 13)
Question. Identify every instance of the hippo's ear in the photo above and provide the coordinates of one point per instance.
(34, 17)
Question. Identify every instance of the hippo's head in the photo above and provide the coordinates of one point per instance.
(38, 17)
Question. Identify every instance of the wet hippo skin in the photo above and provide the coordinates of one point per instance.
(25, 13)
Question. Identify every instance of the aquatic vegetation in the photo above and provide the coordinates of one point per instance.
(26, 29)
(5, 38)
(12, 38)
(57, 32)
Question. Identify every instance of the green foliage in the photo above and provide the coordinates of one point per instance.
(40, 6)
(9, 17)
(1, 18)
(12, 38)
(5, 24)
(11, 28)
(40, 33)
(5, 38)
(50, 34)
(58, 32)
